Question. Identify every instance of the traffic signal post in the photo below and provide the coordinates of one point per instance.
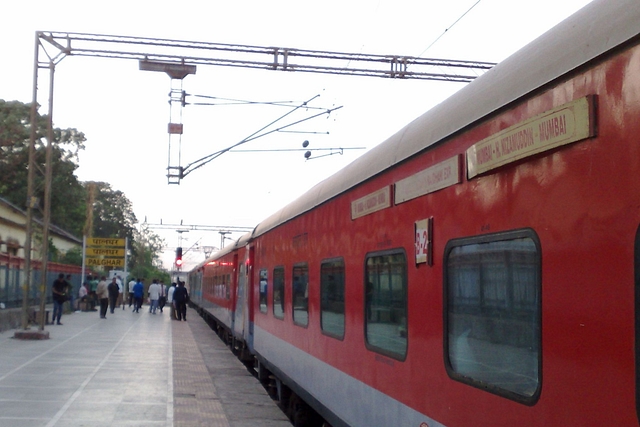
(178, 261)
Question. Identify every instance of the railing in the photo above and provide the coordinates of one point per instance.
(13, 277)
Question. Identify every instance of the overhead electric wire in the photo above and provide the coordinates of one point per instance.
(204, 160)
(232, 101)
(447, 29)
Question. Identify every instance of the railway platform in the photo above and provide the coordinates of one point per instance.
(132, 369)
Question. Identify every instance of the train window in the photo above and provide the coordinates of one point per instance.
(300, 294)
(386, 303)
(208, 285)
(278, 292)
(217, 289)
(332, 298)
(493, 314)
(264, 288)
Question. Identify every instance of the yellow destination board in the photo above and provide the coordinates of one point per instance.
(567, 123)
(106, 262)
(371, 203)
(114, 252)
(105, 242)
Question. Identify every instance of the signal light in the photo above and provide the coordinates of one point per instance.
(179, 256)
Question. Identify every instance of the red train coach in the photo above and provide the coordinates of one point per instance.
(219, 289)
(482, 266)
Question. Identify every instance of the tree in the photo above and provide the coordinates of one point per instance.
(68, 195)
(112, 213)
(109, 212)
(145, 256)
(73, 257)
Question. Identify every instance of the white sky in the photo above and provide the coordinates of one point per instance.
(124, 112)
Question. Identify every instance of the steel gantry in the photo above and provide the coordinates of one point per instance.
(261, 57)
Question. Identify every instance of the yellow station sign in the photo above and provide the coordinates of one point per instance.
(113, 252)
(105, 242)
(106, 262)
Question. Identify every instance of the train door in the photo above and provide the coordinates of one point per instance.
(239, 318)
(250, 297)
(234, 294)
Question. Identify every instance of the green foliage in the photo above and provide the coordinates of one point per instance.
(68, 196)
(145, 256)
(112, 211)
(72, 257)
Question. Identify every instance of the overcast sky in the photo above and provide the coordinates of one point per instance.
(124, 112)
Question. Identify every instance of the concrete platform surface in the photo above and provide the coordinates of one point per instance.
(131, 369)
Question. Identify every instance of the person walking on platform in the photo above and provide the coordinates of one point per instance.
(83, 292)
(163, 296)
(131, 284)
(181, 298)
(93, 286)
(59, 295)
(120, 292)
(172, 305)
(138, 294)
(114, 291)
(154, 296)
(102, 291)
(90, 295)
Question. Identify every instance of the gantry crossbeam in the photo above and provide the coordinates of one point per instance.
(266, 58)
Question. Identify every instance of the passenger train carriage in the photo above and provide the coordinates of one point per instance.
(481, 267)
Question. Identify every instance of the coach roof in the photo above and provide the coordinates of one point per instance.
(592, 31)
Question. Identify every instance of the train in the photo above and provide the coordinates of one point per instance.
(481, 267)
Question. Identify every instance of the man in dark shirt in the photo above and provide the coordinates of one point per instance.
(114, 292)
(59, 295)
(181, 298)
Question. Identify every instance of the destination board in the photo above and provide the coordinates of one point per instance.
(562, 125)
(434, 178)
(371, 203)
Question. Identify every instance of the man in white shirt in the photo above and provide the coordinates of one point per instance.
(132, 283)
(172, 311)
(154, 296)
(163, 296)
(82, 297)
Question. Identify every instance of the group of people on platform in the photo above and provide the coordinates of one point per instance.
(98, 292)
(109, 296)
(159, 295)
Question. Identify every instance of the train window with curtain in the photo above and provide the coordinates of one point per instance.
(218, 287)
(493, 313)
(208, 285)
(278, 292)
(300, 294)
(332, 298)
(264, 288)
(386, 303)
